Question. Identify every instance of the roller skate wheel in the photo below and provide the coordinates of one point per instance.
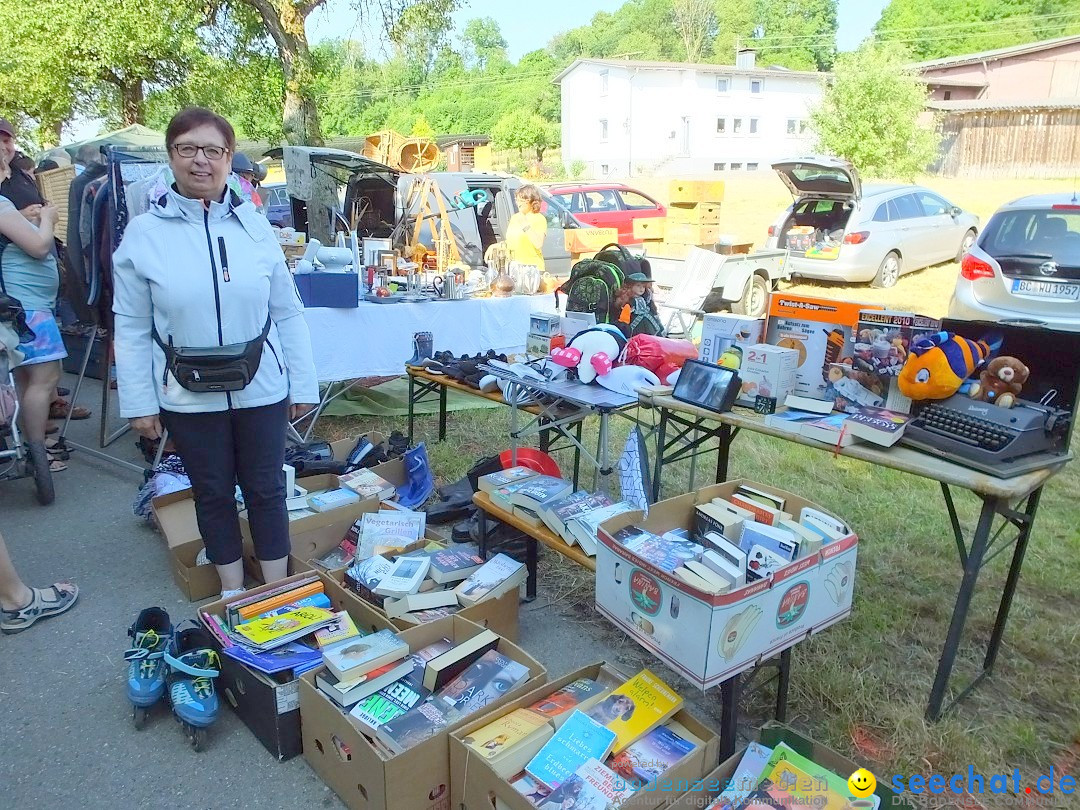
(139, 715)
(197, 737)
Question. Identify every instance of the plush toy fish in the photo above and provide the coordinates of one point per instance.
(939, 365)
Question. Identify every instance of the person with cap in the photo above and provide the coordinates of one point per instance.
(244, 169)
(16, 175)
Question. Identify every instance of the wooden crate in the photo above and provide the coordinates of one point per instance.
(694, 214)
(649, 228)
(666, 250)
(695, 191)
(683, 234)
(54, 185)
(589, 240)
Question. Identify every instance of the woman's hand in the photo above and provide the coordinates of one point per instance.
(147, 426)
(49, 213)
(300, 410)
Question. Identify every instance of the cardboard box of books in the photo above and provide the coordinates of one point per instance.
(269, 703)
(650, 580)
(492, 757)
(364, 773)
(807, 769)
(175, 515)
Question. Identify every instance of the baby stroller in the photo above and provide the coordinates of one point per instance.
(15, 461)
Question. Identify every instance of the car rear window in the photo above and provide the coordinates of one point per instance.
(1035, 233)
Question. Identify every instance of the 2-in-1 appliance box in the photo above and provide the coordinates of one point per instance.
(766, 371)
(722, 332)
(706, 637)
(418, 779)
(819, 329)
(473, 782)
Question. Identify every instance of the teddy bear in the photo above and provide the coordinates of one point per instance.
(1000, 382)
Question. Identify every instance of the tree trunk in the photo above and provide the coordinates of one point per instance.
(131, 103)
(285, 23)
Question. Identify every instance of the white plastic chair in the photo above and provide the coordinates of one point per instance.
(683, 304)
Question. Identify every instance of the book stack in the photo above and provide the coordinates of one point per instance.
(368, 484)
(388, 531)
(425, 585)
(400, 699)
(576, 517)
(279, 629)
(780, 777)
(602, 738)
(734, 541)
(858, 422)
(526, 498)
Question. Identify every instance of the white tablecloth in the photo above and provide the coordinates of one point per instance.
(375, 340)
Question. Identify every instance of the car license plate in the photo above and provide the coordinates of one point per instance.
(1047, 289)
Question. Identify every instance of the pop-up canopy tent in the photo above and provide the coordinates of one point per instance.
(134, 135)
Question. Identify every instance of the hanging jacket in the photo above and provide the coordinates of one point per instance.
(205, 277)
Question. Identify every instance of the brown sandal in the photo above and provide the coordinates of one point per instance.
(59, 410)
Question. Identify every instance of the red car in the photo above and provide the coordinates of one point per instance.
(608, 205)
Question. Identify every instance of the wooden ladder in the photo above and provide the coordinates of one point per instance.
(443, 234)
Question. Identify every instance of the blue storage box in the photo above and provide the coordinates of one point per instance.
(340, 290)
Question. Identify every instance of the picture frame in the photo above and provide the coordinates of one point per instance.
(372, 248)
(387, 260)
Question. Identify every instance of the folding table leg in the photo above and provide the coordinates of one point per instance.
(658, 466)
(412, 406)
(442, 412)
(729, 716)
(532, 555)
(782, 685)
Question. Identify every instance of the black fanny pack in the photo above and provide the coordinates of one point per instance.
(216, 369)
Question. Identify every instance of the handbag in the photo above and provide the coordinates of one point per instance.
(216, 369)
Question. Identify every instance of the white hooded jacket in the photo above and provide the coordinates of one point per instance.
(206, 277)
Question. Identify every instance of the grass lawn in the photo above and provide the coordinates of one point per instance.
(861, 686)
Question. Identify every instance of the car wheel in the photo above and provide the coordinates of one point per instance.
(965, 246)
(755, 300)
(889, 271)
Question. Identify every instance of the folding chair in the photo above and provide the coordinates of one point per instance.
(682, 307)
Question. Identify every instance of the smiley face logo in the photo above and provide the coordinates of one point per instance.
(861, 783)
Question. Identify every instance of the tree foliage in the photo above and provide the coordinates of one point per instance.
(521, 130)
(871, 111)
(932, 29)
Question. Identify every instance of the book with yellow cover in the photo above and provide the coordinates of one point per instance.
(274, 631)
(636, 708)
(509, 742)
(279, 600)
(807, 782)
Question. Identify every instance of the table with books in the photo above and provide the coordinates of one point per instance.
(686, 431)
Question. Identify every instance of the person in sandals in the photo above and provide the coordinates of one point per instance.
(21, 606)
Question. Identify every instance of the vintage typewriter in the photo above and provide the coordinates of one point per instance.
(1003, 442)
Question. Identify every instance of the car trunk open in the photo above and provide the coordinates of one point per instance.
(826, 191)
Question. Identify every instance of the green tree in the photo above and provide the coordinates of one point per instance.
(523, 129)
(870, 113)
(483, 43)
(695, 20)
(937, 28)
(796, 34)
(422, 128)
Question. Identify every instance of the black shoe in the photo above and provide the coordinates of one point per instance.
(462, 488)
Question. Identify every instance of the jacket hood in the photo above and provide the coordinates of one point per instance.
(173, 205)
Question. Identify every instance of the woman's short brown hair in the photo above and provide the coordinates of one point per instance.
(190, 118)
(530, 194)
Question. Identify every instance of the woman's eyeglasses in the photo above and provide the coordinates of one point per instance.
(189, 150)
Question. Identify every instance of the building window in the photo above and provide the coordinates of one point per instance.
(753, 126)
(948, 95)
(719, 167)
(751, 167)
(603, 168)
(721, 126)
(603, 129)
(736, 166)
(802, 127)
(792, 126)
(723, 85)
(736, 125)
(756, 86)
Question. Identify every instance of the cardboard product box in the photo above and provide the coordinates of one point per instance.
(589, 240)
(499, 615)
(418, 779)
(336, 290)
(649, 228)
(269, 705)
(541, 345)
(474, 785)
(706, 637)
(694, 214)
(175, 515)
(767, 371)
(703, 792)
(543, 323)
(682, 233)
(695, 191)
(820, 329)
(720, 331)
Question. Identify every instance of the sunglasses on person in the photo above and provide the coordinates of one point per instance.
(189, 150)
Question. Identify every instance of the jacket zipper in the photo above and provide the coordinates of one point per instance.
(273, 351)
(217, 291)
(224, 258)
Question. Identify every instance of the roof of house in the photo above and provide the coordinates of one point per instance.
(949, 81)
(449, 140)
(698, 66)
(998, 53)
(984, 105)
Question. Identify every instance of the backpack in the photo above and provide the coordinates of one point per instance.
(591, 288)
(643, 320)
(624, 260)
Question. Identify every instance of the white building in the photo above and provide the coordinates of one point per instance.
(623, 118)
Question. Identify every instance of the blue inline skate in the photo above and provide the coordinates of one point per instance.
(193, 665)
(151, 632)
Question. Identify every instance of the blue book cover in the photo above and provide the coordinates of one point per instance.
(580, 739)
(779, 541)
(290, 656)
(651, 756)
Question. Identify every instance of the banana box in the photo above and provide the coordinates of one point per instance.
(707, 637)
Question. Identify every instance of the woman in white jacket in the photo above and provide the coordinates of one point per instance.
(199, 271)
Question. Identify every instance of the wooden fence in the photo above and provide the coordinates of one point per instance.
(1010, 143)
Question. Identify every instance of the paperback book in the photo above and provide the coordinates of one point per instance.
(584, 527)
(420, 723)
(356, 657)
(367, 484)
(580, 739)
(497, 576)
(876, 425)
(558, 513)
(390, 530)
(651, 756)
(276, 631)
(581, 694)
(386, 704)
(636, 707)
(290, 656)
(502, 478)
(489, 678)
(341, 629)
(454, 564)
